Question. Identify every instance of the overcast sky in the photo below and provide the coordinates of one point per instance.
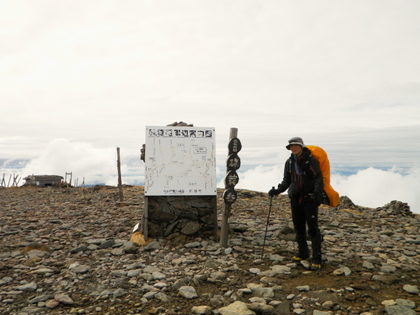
(80, 78)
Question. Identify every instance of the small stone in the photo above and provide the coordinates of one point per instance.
(280, 269)
(63, 298)
(299, 311)
(368, 265)
(5, 280)
(81, 269)
(303, 288)
(27, 287)
(388, 302)
(163, 297)
(192, 245)
(119, 292)
(150, 295)
(107, 244)
(52, 303)
(152, 246)
(188, 292)
(254, 270)
(41, 271)
(347, 271)
(236, 308)
(201, 310)
(328, 304)
(134, 273)
(157, 275)
(413, 289)
(78, 249)
(388, 269)
(37, 299)
(130, 247)
(218, 275)
(399, 310)
(118, 273)
(276, 258)
(261, 308)
(117, 251)
(191, 228)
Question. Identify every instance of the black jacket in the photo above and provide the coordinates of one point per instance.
(308, 183)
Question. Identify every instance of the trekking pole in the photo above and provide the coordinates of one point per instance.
(266, 227)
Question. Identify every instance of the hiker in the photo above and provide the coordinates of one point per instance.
(303, 179)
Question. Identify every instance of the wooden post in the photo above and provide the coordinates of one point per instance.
(227, 207)
(119, 175)
(71, 176)
(225, 225)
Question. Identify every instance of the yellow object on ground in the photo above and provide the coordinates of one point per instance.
(138, 238)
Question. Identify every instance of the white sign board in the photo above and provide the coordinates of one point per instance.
(180, 161)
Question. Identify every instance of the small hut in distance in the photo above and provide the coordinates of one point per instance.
(43, 180)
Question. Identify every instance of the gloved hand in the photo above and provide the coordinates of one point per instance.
(273, 192)
(317, 198)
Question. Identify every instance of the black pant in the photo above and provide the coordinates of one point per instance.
(306, 213)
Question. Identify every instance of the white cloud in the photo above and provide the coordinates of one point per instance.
(367, 188)
(81, 159)
(374, 188)
(343, 75)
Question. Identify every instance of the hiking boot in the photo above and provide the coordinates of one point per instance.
(315, 267)
(298, 259)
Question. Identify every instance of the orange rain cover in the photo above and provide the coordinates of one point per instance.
(324, 165)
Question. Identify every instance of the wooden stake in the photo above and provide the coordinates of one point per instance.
(119, 175)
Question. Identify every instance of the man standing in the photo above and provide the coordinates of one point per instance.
(303, 179)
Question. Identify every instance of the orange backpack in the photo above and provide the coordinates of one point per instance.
(324, 165)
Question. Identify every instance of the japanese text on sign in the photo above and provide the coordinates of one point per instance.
(180, 161)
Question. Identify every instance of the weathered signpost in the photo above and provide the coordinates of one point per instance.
(229, 196)
(180, 180)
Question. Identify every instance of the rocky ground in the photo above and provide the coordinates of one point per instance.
(67, 251)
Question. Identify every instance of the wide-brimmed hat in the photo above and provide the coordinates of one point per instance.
(295, 140)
